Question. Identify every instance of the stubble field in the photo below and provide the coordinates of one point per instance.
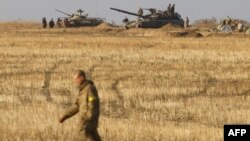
(152, 87)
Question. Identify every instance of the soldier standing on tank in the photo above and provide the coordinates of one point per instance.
(79, 12)
(87, 107)
(51, 23)
(44, 22)
(172, 9)
(140, 13)
(186, 24)
(79, 15)
(169, 10)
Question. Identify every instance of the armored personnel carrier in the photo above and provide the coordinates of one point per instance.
(78, 20)
(155, 19)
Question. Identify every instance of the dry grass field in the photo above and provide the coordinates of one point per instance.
(153, 87)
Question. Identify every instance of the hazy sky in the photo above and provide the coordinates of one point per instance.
(34, 10)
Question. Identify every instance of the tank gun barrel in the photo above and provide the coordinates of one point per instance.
(63, 13)
(126, 12)
(148, 8)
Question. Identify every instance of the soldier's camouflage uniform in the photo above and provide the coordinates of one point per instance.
(87, 106)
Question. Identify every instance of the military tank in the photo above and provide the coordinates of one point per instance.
(155, 19)
(78, 20)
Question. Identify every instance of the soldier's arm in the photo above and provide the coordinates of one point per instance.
(92, 104)
(74, 109)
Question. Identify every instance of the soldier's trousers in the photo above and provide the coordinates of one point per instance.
(90, 133)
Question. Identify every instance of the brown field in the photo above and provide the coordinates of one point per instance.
(153, 86)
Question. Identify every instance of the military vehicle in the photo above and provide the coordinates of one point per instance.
(229, 25)
(78, 20)
(155, 19)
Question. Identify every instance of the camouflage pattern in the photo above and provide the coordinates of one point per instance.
(87, 107)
